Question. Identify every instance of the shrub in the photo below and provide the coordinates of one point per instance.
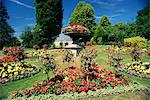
(136, 42)
(18, 52)
(36, 47)
(45, 47)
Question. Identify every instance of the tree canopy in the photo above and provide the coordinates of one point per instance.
(6, 32)
(83, 14)
(49, 16)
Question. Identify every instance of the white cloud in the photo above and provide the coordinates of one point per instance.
(32, 18)
(22, 4)
(104, 4)
(31, 24)
(111, 17)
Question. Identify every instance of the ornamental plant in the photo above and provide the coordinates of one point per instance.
(18, 52)
(115, 59)
(16, 71)
(73, 79)
(135, 54)
(88, 61)
(68, 56)
(49, 65)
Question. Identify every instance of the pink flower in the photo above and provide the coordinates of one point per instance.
(114, 84)
(51, 83)
(84, 82)
(93, 83)
(83, 89)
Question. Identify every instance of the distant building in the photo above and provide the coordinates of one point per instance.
(62, 40)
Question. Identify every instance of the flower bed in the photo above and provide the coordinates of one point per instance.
(7, 59)
(11, 72)
(74, 80)
(17, 52)
(139, 69)
(90, 94)
(39, 53)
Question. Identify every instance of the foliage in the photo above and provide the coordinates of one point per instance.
(5, 29)
(137, 41)
(49, 16)
(115, 59)
(45, 46)
(100, 35)
(83, 14)
(14, 42)
(68, 56)
(12, 72)
(49, 65)
(135, 54)
(27, 37)
(143, 23)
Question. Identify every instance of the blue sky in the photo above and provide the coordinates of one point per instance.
(22, 12)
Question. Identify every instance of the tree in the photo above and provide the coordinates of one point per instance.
(104, 22)
(118, 32)
(5, 30)
(101, 34)
(143, 22)
(83, 14)
(49, 16)
(14, 42)
(27, 37)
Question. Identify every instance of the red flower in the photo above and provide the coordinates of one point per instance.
(25, 92)
(37, 83)
(76, 88)
(51, 83)
(83, 89)
(93, 89)
(127, 83)
(58, 91)
(99, 87)
(31, 91)
(92, 83)
(33, 85)
(114, 84)
(89, 87)
(69, 89)
(84, 82)
(14, 93)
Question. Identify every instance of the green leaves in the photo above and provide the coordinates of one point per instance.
(83, 14)
(49, 16)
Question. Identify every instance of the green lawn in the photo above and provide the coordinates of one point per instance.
(6, 89)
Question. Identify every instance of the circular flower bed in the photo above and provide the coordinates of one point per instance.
(75, 80)
(11, 72)
(139, 69)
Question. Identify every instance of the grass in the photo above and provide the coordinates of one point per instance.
(6, 89)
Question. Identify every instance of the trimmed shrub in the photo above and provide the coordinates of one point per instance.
(136, 42)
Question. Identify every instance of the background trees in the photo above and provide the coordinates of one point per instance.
(49, 16)
(143, 22)
(83, 14)
(27, 37)
(5, 30)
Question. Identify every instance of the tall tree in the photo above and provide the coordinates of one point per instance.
(5, 30)
(101, 30)
(49, 16)
(143, 22)
(83, 14)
